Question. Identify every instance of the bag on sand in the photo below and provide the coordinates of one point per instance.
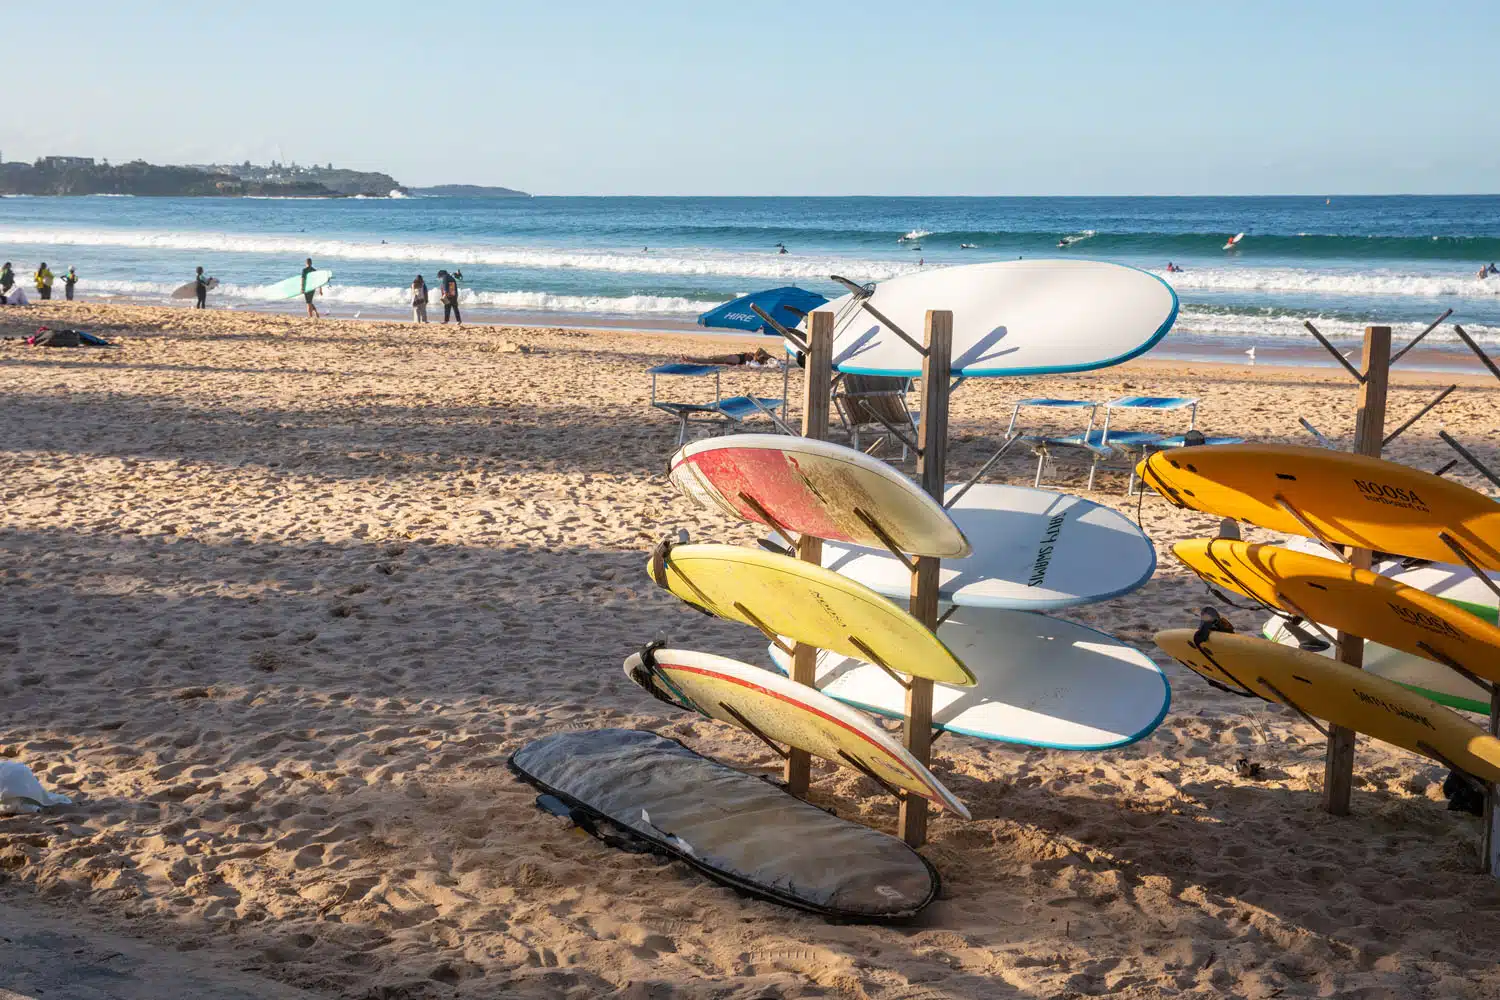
(56, 338)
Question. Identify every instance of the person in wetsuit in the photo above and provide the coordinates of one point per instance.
(312, 310)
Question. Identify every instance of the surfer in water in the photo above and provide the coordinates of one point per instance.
(1173, 268)
(200, 288)
(312, 310)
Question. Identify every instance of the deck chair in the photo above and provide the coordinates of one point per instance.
(730, 412)
(875, 401)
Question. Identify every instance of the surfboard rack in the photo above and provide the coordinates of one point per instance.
(874, 658)
(1317, 434)
(1462, 775)
(1468, 457)
(1290, 508)
(1457, 667)
(1289, 703)
(1011, 437)
(766, 630)
(767, 517)
(754, 730)
(796, 338)
(1457, 548)
(869, 772)
(871, 522)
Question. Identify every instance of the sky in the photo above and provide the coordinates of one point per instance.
(819, 97)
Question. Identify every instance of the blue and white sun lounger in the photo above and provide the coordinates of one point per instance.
(731, 412)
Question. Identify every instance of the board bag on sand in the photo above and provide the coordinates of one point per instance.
(735, 828)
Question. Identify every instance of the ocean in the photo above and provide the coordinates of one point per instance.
(1342, 262)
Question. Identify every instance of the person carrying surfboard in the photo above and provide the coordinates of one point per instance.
(312, 310)
(200, 288)
(69, 280)
(43, 281)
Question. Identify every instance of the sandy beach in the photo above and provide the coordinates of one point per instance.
(278, 598)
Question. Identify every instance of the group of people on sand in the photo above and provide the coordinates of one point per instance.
(447, 295)
(1485, 272)
(43, 279)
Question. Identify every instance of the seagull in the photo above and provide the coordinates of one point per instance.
(1251, 352)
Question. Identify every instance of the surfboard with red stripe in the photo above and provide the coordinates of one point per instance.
(817, 488)
(784, 711)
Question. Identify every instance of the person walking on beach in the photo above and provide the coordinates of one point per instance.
(448, 294)
(312, 310)
(7, 282)
(419, 300)
(69, 280)
(43, 280)
(200, 288)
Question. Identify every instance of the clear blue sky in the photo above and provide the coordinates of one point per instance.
(773, 97)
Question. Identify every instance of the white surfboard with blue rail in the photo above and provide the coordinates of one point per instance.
(1018, 317)
(1042, 682)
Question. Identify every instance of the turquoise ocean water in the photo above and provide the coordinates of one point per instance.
(656, 262)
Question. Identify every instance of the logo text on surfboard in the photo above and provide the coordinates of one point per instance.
(1394, 496)
(1044, 552)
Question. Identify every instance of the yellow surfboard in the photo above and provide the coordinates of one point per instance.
(783, 711)
(785, 596)
(1357, 601)
(1349, 499)
(1341, 694)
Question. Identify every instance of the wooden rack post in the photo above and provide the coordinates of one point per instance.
(932, 454)
(1491, 848)
(816, 396)
(1369, 435)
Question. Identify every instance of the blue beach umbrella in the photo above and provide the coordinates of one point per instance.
(787, 305)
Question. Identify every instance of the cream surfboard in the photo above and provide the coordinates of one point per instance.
(783, 711)
(1328, 689)
(1354, 600)
(784, 596)
(1348, 499)
(1034, 550)
(190, 290)
(1426, 678)
(1016, 317)
(816, 488)
(1043, 682)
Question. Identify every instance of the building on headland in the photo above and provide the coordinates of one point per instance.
(65, 161)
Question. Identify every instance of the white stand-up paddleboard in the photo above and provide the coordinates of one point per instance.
(816, 488)
(1034, 550)
(1234, 241)
(783, 711)
(1018, 317)
(1042, 682)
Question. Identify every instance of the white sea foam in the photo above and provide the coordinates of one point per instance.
(1373, 282)
(1211, 323)
(686, 262)
(915, 234)
(396, 297)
